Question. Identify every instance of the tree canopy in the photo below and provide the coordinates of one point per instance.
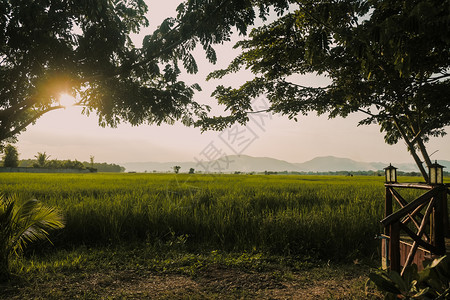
(11, 157)
(387, 59)
(83, 48)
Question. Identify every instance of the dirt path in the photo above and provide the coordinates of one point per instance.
(214, 282)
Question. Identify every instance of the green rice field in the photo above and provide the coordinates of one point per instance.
(328, 217)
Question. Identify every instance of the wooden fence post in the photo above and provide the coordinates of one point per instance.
(387, 208)
(394, 246)
(445, 211)
(438, 221)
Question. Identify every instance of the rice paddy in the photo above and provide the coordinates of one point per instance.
(328, 217)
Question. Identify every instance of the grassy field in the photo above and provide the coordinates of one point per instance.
(329, 217)
(274, 227)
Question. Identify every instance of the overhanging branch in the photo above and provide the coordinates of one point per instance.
(258, 111)
(368, 113)
(16, 107)
(307, 87)
(29, 121)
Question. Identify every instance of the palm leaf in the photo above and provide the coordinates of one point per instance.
(33, 221)
(6, 217)
(23, 222)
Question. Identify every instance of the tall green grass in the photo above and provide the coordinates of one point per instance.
(323, 216)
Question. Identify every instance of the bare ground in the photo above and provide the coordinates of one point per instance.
(213, 282)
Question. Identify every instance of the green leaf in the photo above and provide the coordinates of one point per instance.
(22, 222)
(438, 261)
(410, 274)
(384, 283)
(422, 292)
(398, 280)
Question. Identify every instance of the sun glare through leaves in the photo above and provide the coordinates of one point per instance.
(66, 100)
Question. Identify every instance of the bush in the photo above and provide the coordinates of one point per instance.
(431, 283)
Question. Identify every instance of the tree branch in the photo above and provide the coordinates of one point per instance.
(416, 137)
(307, 87)
(20, 105)
(424, 151)
(29, 121)
(307, 12)
(411, 149)
(258, 111)
(368, 113)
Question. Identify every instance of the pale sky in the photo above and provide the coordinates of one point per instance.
(67, 134)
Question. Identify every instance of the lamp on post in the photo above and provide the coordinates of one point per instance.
(436, 174)
(390, 174)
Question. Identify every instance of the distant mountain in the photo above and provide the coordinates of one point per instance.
(245, 163)
(227, 164)
(446, 164)
(157, 166)
(331, 163)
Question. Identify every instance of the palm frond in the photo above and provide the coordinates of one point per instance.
(33, 222)
(22, 222)
(44, 220)
(6, 217)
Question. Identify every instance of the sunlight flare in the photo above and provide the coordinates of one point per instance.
(66, 100)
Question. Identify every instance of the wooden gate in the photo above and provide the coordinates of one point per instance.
(417, 230)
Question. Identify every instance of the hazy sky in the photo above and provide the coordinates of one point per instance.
(67, 134)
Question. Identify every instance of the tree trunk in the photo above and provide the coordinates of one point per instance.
(418, 161)
(411, 149)
(424, 152)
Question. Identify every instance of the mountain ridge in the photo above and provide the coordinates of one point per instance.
(245, 163)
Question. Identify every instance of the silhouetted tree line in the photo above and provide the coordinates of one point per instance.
(72, 164)
(105, 167)
(52, 164)
(345, 173)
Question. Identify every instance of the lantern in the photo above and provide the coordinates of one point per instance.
(390, 174)
(436, 174)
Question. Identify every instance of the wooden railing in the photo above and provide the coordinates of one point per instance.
(434, 218)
